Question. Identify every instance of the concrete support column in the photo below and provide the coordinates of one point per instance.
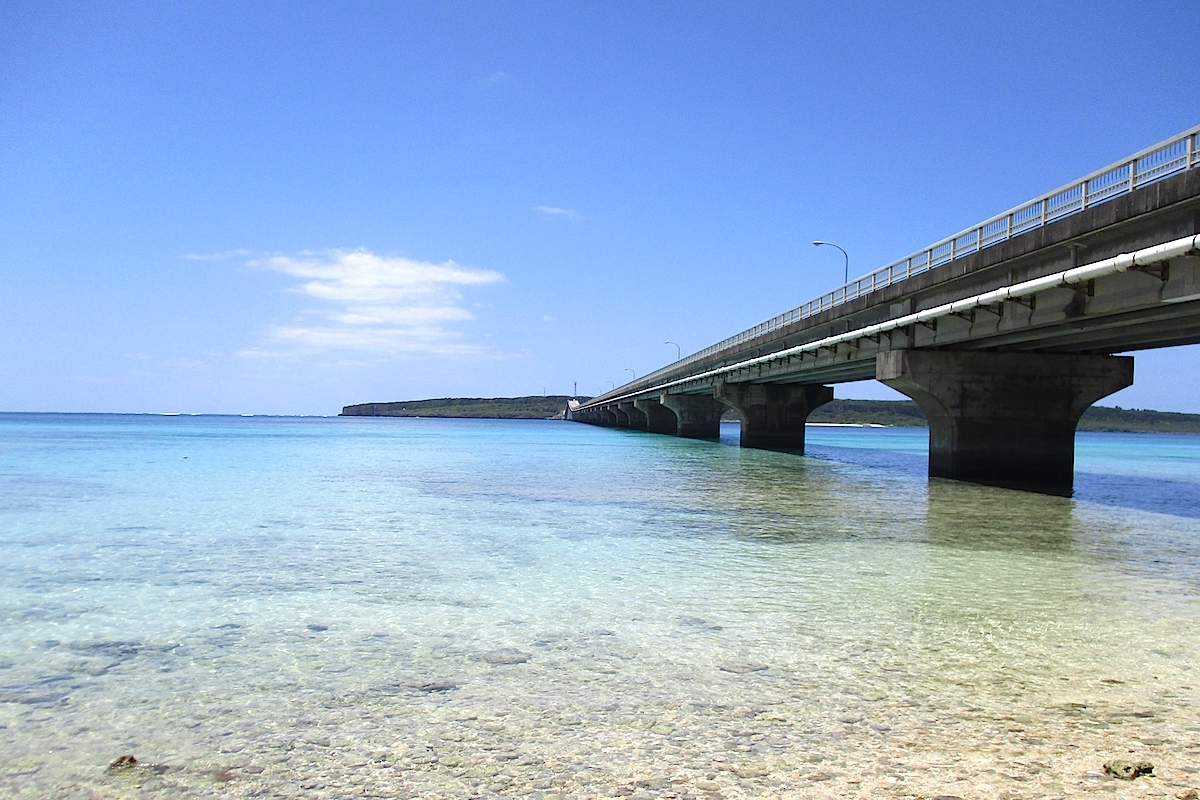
(659, 418)
(773, 415)
(607, 417)
(620, 415)
(637, 419)
(698, 415)
(1004, 419)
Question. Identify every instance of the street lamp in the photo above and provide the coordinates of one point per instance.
(631, 372)
(846, 279)
(678, 352)
(613, 385)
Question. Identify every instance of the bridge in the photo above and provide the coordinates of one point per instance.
(1003, 334)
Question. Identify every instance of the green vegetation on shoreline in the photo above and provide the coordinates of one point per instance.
(533, 407)
(1136, 420)
(897, 413)
(906, 413)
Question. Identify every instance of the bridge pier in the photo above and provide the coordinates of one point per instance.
(637, 419)
(1003, 419)
(619, 415)
(773, 415)
(699, 416)
(659, 418)
(608, 417)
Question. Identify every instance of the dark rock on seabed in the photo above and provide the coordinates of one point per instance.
(1128, 770)
(127, 764)
(123, 764)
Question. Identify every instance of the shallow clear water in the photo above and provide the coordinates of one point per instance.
(440, 608)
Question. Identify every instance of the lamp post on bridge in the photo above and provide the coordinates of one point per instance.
(846, 278)
(631, 372)
(678, 352)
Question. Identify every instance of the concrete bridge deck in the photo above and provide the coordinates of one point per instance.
(1003, 333)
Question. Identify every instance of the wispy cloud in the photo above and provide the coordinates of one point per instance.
(224, 256)
(498, 77)
(377, 305)
(558, 212)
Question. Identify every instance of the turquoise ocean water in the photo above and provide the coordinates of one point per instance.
(278, 607)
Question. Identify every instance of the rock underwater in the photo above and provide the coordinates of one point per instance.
(1128, 770)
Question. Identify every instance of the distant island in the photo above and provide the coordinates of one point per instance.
(534, 407)
(894, 413)
(906, 413)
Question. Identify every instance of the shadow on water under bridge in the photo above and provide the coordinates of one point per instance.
(971, 517)
(903, 452)
(898, 451)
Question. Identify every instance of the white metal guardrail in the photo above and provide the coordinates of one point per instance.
(1167, 158)
(1070, 277)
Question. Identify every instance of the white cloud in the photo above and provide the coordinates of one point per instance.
(557, 212)
(378, 305)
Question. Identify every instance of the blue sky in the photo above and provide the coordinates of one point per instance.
(287, 207)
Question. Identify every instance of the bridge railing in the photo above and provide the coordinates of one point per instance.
(1152, 164)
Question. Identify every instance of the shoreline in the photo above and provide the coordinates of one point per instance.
(847, 413)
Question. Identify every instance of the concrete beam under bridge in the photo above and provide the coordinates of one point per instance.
(699, 415)
(1003, 419)
(772, 415)
(637, 418)
(659, 418)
